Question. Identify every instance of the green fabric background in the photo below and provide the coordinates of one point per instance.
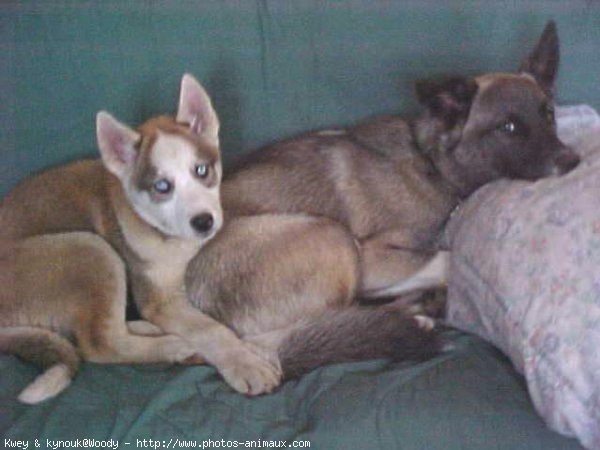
(273, 68)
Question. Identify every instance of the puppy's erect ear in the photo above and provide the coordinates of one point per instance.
(449, 99)
(117, 143)
(542, 62)
(196, 110)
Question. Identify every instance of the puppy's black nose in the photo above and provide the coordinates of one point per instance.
(567, 161)
(202, 223)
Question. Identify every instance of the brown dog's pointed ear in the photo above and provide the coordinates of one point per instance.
(449, 99)
(542, 62)
(117, 143)
(196, 110)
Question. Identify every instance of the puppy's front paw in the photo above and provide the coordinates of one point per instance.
(270, 356)
(250, 370)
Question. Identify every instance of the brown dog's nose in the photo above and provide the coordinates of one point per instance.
(566, 161)
(202, 223)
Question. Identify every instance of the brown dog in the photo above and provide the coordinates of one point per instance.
(284, 273)
(394, 183)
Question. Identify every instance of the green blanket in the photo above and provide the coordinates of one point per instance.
(467, 398)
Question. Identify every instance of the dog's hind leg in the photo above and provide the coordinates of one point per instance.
(431, 275)
(393, 264)
(101, 331)
(74, 283)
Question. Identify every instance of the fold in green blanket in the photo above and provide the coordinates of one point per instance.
(467, 398)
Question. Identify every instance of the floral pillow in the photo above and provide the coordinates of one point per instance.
(525, 275)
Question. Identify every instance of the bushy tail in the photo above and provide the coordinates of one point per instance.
(55, 354)
(356, 334)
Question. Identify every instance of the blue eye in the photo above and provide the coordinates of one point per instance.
(162, 186)
(202, 170)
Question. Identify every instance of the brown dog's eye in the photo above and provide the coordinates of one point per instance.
(508, 127)
(513, 126)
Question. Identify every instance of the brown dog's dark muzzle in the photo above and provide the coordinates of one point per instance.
(566, 161)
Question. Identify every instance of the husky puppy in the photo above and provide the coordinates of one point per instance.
(72, 235)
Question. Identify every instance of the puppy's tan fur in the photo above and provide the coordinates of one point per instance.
(70, 237)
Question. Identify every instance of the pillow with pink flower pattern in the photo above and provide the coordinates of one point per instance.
(525, 275)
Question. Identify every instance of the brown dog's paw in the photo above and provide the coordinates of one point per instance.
(424, 322)
(429, 303)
